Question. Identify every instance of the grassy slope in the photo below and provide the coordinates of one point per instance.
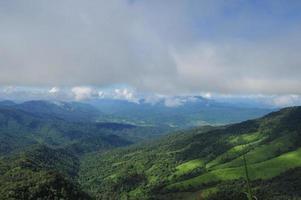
(197, 161)
(261, 153)
(189, 166)
(263, 170)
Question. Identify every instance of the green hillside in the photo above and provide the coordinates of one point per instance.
(203, 163)
(50, 158)
(19, 129)
(40, 173)
(40, 156)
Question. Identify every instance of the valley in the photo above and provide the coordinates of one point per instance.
(47, 155)
(150, 100)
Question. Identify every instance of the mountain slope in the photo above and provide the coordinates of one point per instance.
(39, 156)
(19, 129)
(189, 112)
(202, 163)
(70, 111)
(40, 173)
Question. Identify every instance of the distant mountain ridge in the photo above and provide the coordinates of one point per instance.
(188, 111)
(19, 129)
(71, 111)
(65, 126)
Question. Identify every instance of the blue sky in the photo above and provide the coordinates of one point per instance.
(170, 47)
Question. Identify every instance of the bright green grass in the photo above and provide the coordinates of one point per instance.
(263, 170)
(245, 138)
(261, 153)
(234, 153)
(201, 194)
(189, 166)
(230, 154)
(136, 192)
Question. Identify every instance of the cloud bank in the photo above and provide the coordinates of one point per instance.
(85, 93)
(169, 47)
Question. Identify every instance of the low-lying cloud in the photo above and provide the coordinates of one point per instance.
(84, 93)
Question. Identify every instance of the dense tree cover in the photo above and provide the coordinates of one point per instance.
(19, 129)
(167, 168)
(55, 158)
(285, 186)
(40, 150)
(40, 172)
(69, 111)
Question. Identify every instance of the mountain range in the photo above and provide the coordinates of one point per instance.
(65, 150)
(182, 112)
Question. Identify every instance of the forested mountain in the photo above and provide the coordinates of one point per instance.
(40, 173)
(19, 129)
(189, 113)
(205, 163)
(39, 155)
(70, 111)
(56, 157)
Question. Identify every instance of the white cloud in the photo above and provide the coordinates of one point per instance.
(183, 47)
(240, 67)
(173, 102)
(83, 93)
(8, 89)
(207, 95)
(125, 94)
(54, 90)
(153, 98)
(286, 100)
(101, 94)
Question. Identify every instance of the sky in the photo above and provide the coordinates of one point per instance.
(170, 47)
